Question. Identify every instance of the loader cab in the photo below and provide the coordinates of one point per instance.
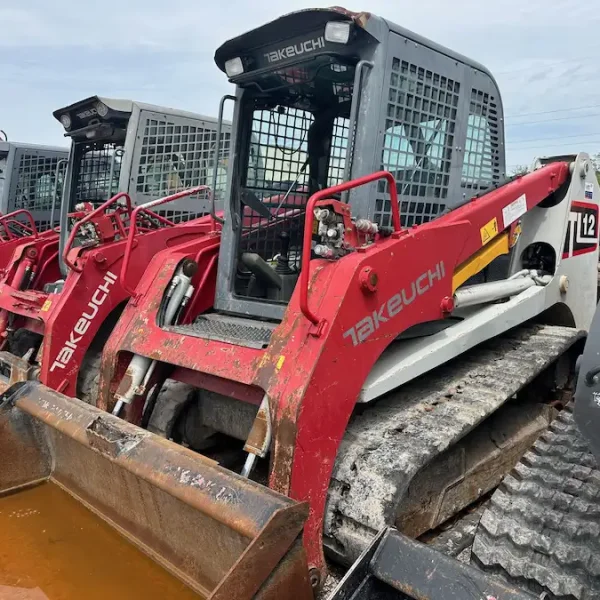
(32, 178)
(146, 151)
(340, 96)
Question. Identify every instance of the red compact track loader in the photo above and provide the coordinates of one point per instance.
(382, 330)
(61, 292)
(31, 185)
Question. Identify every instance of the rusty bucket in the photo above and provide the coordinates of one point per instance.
(225, 537)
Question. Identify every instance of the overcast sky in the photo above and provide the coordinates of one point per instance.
(544, 54)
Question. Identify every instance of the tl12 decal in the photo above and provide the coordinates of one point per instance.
(582, 230)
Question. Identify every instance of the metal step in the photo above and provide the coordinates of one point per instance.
(232, 330)
(387, 446)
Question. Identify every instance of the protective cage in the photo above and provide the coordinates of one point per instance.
(401, 103)
(282, 140)
(176, 153)
(32, 178)
(280, 137)
(147, 151)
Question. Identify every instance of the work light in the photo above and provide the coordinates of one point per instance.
(337, 32)
(234, 67)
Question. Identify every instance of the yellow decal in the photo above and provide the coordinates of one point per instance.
(489, 231)
(315, 227)
(46, 306)
(280, 362)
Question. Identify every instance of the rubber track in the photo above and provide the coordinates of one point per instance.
(455, 538)
(387, 445)
(542, 528)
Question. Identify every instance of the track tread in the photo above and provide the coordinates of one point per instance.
(542, 527)
(386, 446)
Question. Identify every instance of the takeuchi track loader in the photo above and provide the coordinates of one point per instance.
(384, 327)
(62, 291)
(32, 180)
(31, 185)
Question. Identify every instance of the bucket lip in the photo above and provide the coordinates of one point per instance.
(225, 496)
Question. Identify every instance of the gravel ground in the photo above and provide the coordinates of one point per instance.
(336, 573)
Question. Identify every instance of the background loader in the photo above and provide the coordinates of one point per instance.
(62, 292)
(31, 179)
(31, 185)
(385, 319)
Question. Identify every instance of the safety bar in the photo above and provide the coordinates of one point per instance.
(133, 227)
(213, 208)
(87, 219)
(362, 65)
(308, 227)
(5, 219)
(118, 153)
(59, 164)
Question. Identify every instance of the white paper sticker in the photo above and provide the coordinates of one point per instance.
(589, 191)
(514, 210)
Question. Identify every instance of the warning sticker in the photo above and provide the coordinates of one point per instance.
(589, 191)
(46, 306)
(489, 231)
(582, 230)
(514, 210)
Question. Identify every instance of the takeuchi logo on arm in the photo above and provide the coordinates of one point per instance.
(83, 323)
(367, 326)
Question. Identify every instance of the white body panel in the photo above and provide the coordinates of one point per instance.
(405, 360)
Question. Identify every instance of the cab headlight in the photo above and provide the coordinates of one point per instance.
(66, 121)
(337, 32)
(234, 67)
